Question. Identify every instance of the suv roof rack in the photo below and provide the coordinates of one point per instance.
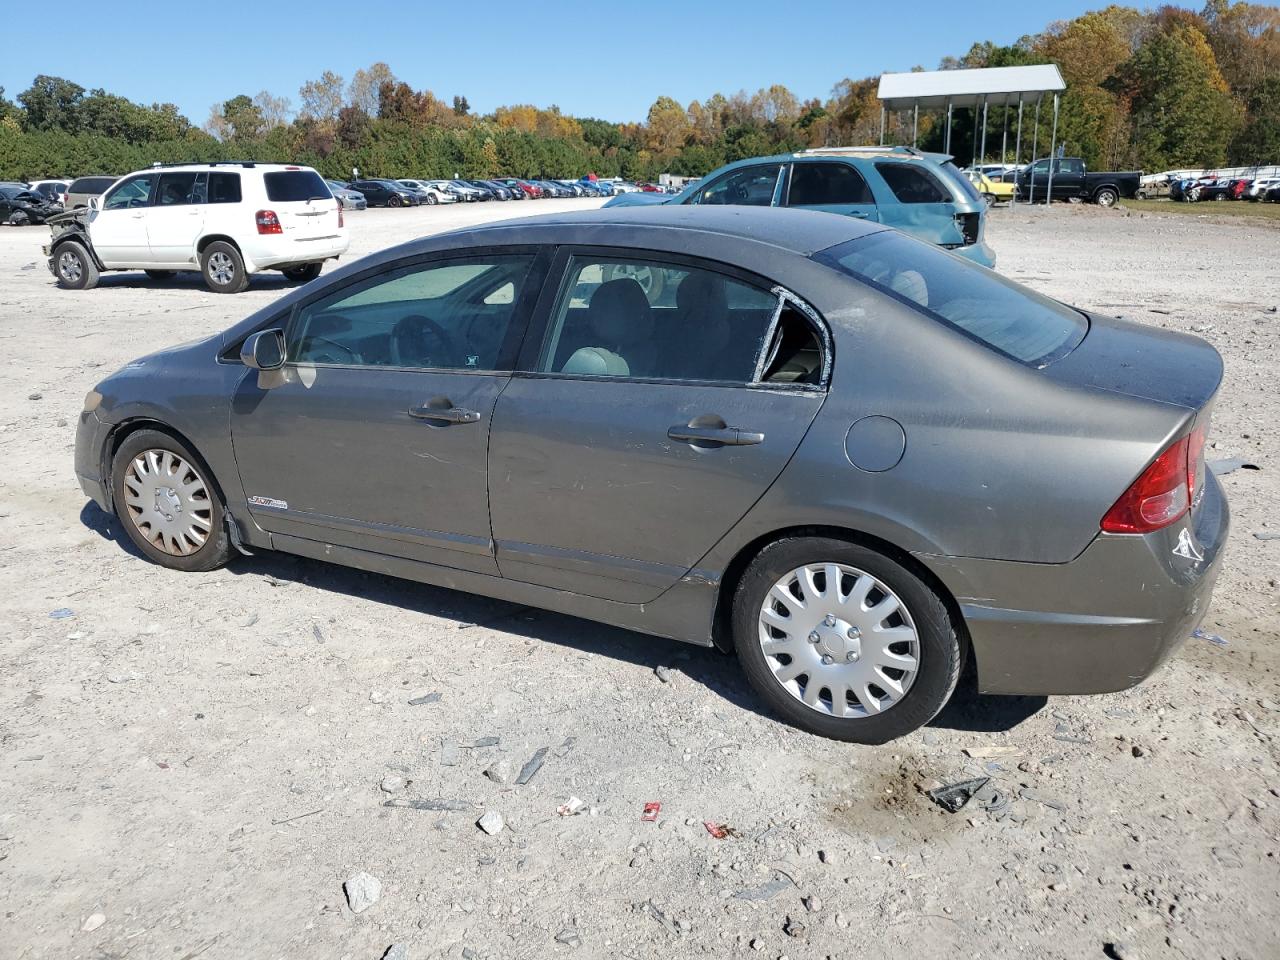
(909, 151)
(207, 163)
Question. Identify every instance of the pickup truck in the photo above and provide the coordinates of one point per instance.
(1072, 180)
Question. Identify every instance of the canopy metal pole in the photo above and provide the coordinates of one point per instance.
(1004, 137)
(1035, 135)
(946, 144)
(915, 125)
(1017, 152)
(882, 112)
(1053, 149)
(983, 151)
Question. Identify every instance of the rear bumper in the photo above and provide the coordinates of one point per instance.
(294, 252)
(978, 252)
(1103, 622)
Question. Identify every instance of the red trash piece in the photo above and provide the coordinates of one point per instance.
(651, 810)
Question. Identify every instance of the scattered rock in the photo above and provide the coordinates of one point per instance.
(1137, 751)
(1118, 950)
(420, 699)
(499, 772)
(793, 928)
(533, 765)
(93, 922)
(397, 951)
(569, 937)
(362, 891)
(812, 903)
(377, 696)
(491, 823)
(392, 784)
(766, 891)
(36, 396)
(663, 673)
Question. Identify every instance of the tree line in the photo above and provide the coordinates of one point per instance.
(1154, 90)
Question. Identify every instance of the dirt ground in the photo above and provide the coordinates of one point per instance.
(192, 765)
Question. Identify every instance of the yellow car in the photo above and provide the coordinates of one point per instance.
(992, 191)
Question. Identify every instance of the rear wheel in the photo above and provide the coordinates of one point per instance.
(303, 274)
(431, 199)
(1106, 197)
(223, 268)
(843, 641)
(76, 269)
(168, 504)
(161, 274)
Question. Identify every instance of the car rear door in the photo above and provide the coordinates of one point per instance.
(374, 435)
(176, 217)
(831, 187)
(637, 429)
(118, 230)
(303, 206)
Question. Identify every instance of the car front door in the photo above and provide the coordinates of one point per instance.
(374, 435)
(1068, 179)
(640, 426)
(829, 186)
(118, 230)
(176, 217)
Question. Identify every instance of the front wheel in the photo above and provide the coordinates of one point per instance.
(303, 274)
(431, 199)
(165, 497)
(393, 202)
(223, 268)
(1106, 197)
(18, 218)
(843, 641)
(75, 268)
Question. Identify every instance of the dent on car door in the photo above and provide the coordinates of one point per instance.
(662, 399)
(374, 435)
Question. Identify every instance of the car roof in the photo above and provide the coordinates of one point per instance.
(802, 232)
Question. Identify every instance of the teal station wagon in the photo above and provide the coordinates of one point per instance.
(922, 194)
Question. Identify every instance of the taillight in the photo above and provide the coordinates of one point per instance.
(1195, 459)
(339, 213)
(267, 221)
(968, 224)
(1157, 498)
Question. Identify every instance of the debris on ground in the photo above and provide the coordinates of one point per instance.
(569, 937)
(765, 891)
(649, 908)
(93, 922)
(793, 928)
(499, 772)
(1201, 634)
(985, 753)
(1266, 535)
(418, 701)
(663, 673)
(953, 796)
(363, 891)
(450, 754)
(61, 613)
(397, 951)
(437, 803)
(1029, 794)
(651, 811)
(721, 830)
(571, 807)
(491, 823)
(481, 743)
(533, 765)
(1230, 465)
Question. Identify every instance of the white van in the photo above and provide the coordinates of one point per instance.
(227, 220)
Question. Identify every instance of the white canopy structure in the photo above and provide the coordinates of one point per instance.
(998, 86)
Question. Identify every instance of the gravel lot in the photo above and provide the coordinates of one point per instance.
(193, 765)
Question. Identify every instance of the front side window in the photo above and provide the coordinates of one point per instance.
(751, 186)
(911, 183)
(824, 184)
(641, 318)
(134, 192)
(445, 315)
(176, 189)
(1016, 321)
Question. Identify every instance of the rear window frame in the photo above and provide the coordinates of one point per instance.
(273, 179)
(831, 257)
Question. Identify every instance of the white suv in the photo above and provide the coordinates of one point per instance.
(227, 220)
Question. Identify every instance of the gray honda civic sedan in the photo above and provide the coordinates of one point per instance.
(851, 458)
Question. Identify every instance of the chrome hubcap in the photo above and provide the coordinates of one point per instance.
(222, 269)
(839, 640)
(69, 267)
(168, 502)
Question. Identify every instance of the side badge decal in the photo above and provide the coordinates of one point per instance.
(1186, 546)
(269, 502)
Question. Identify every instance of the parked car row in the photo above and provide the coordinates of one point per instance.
(1196, 189)
(410, 192)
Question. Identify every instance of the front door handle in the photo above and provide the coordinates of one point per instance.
(446, 414)
(724, 436)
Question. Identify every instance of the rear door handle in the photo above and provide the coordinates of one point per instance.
(726, 436)
(446, 414)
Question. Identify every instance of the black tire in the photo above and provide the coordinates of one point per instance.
(222, 260)
(939, 654)
(161, 274)
(18, 218)
(216, 549)
(431, 199)
(1106, 197)
(303, 274)
(393, 201)
(75, 269)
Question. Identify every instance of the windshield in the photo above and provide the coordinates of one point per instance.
(978, 302)
(288, 186)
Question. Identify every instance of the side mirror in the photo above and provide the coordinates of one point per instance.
(264, 350)
(95, 203)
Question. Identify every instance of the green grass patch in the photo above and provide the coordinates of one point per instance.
(1223, 208)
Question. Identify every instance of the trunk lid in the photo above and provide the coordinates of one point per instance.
(302, 203)
(1137, 360)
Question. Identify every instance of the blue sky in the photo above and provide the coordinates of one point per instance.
(598, 61)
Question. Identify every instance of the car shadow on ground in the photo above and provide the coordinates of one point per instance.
(967, 710)
(189, 280)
